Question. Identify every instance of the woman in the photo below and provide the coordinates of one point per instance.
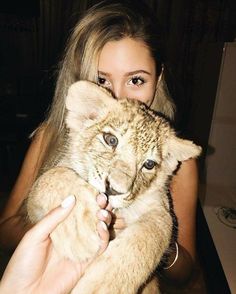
(118, 46)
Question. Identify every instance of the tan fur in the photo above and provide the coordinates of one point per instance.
(86, 164)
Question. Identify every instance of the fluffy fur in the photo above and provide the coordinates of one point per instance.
(129, 152)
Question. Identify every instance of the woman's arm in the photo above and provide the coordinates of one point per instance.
(12, 227)
(184, 192)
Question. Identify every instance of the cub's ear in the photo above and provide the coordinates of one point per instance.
(87, 103)
(177, 150)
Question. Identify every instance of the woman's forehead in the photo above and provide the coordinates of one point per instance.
(128, 53)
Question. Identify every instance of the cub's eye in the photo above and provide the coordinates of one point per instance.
(110, 139)
(149, 164)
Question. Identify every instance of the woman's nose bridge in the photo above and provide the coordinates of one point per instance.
(119, 90)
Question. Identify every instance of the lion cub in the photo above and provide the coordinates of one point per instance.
(127, 151)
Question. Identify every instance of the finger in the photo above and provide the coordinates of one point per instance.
(118, 223)
(109, 207)
(105, 216)
(43, 228)
(102, 200)
(104, 235)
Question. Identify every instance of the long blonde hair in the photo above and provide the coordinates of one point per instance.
(106, 21)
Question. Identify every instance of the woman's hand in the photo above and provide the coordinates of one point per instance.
(116, 221)
(35, 267)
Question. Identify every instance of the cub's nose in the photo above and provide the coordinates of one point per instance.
(110, 191)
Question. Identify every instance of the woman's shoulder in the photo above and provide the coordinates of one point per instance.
(185, 181)
(27, 174)
(187, 169)
(39, 133)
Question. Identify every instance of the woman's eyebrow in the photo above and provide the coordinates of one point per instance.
(103, 73)
(137, 72)
(128, 73)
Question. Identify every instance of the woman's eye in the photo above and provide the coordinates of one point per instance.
(137, 81)
(110, 139)
(103, 82)
(149, 164)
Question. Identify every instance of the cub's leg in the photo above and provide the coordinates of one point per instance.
(130, 258)
(76, 237)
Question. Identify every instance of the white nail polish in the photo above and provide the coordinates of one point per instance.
(104, 212)
(104, 195)
(68, 201)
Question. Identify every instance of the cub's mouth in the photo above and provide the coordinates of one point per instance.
(116, 198)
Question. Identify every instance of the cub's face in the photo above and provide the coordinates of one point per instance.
(117, 155)
(120, 147)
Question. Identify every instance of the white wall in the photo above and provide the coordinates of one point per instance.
(221, 165)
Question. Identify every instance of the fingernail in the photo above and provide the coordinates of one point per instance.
(103, 195)
(68, 201)
(104, 226)
(104, 213)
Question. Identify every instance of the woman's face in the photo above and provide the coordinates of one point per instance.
(127, 68)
